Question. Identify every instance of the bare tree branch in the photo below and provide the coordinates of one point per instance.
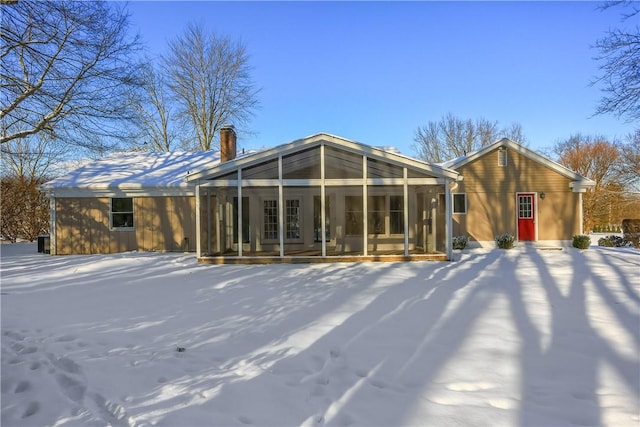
(451, 137)
(619, 52)
(65, 69)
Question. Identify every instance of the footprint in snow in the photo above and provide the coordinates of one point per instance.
(22, 387)
(245, 420)
(111, 412)
(32, 409)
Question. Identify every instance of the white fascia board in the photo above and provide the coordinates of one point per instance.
(120, 192)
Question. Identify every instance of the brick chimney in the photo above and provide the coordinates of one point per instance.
(227, 143)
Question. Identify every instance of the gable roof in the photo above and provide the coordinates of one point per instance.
(328, 140)
(580, 183)
(133, 172)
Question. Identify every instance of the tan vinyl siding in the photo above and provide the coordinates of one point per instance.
(491, 198)
(160, 224)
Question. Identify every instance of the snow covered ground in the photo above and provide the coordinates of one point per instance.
(521, 337)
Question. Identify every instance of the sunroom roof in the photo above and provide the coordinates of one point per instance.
(343, 160)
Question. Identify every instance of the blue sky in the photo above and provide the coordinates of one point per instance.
(375, 71)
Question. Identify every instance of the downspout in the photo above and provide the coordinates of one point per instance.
(52, 224)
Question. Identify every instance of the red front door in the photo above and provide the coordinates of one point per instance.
(526, 216)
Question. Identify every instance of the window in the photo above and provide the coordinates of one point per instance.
(122, 212)
(502, 156)
(317, 219)
(459, 203)
(376, 215)
(245, 220)
(396, 214)
(525, 207)
(353, 215)
(292, 219)
(270, 220)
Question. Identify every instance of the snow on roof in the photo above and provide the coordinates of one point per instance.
(136, 170)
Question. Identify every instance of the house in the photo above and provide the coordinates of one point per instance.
(320, 198)
(510, 188)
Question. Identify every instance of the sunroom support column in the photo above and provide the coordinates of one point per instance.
(323, 201)
(280, 207)
(365, 217)
(448, 232)
(239, 219)
(406, 211)
(198, 221)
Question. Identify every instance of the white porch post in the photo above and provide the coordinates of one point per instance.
(581, 213)
(365, 220)
(280, 207)
(198, 229)
(406, 211)
(239, 219)
(449, 221)
(323, 201)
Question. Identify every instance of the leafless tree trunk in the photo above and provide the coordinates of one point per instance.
(209, 76)
(65, 69)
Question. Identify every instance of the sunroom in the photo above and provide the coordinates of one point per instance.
(322, 199)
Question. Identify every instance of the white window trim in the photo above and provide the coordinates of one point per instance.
(111, 212)
(264, 238)
(453, 205)
(502, 152)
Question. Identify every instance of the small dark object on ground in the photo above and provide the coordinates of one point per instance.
(181, 349)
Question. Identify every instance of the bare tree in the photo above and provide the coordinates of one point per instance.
(26, 164)
(619, 50)
(596, 158)
(65, 69)
(209, 76)
(158, 127)
(628, 166)
(451, 137)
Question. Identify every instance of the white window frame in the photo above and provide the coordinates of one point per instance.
(273, 218)
(111, 214)
(502, 157)
(453, 203)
